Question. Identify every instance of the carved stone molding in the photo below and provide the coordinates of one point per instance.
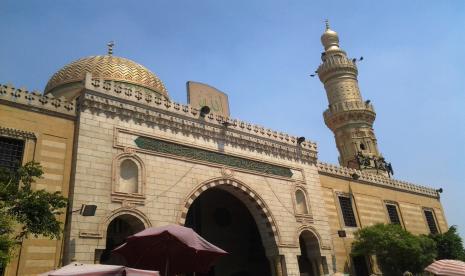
(90, 235)
(227, 172)
(33, 100)
(335, 64)
(112, 214)
(166, 147)
(144, 107)
(315, 233)
(125, 139)
(375, 179)
(260, 211)
(16, 133)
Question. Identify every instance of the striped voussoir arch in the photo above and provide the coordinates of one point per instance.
(258, 208)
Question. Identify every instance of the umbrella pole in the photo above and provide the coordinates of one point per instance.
(167, 265)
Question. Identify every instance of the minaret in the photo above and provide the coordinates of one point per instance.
(348, 115)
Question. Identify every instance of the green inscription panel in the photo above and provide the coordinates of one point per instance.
(210, 156)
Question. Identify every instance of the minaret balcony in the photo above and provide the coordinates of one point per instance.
(343, 115)
(350, 105)
(336, 67)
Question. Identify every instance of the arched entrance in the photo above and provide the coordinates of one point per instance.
(221, 217)
(118, 230)
(310, 260)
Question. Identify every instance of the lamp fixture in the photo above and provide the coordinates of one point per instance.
(86, 210)
(204, 111)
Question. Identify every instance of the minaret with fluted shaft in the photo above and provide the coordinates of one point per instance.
(348, 115)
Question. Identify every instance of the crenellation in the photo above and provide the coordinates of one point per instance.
(34, 99)
(367, 177)
(214, 120)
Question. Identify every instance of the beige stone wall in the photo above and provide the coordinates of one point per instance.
(172, 183)
(369, 206)
(53, 149)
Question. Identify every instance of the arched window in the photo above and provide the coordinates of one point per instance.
(301, 202)
(128, 177)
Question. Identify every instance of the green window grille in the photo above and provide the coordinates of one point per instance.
(393, 214)
(347, 211)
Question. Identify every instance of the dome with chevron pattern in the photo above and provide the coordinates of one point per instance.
(107, 67)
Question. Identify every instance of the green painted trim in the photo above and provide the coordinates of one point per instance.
(210, 156)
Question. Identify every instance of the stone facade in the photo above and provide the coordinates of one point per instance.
(369, 199)
(147, 161)
(173, 182)
(46, 125)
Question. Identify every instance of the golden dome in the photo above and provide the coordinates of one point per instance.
(330, 39)
(107, 67)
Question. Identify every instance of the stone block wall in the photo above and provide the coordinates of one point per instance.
(369, 200)
(173, 182)
(49, 141)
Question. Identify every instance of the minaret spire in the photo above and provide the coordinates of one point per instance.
(348, 115)
(327, 24)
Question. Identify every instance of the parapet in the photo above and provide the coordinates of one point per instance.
(113, 96)
(35, 100)
(376, 179)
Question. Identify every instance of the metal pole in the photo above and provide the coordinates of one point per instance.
(167, 264)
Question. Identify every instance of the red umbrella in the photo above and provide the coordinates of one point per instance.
(169, 249)
(447, 267)
(79, 269)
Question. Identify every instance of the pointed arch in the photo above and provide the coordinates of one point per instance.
(105, 222)
(310, 229)
(259, 210)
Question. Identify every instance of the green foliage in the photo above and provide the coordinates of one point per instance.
(24, 211)
(396, 250)
(6, 242)
(449, 245)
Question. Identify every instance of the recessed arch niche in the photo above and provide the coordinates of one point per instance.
(128, 178)
(302, 206)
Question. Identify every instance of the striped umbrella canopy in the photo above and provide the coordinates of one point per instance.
(447, 268)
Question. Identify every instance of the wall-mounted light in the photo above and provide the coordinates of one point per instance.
(86, 210)
(204, 111)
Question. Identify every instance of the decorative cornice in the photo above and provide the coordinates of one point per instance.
(16, 133)
(211, 156)
(121, 100)
(376, 179)
(349, 106)
(33, 100)
(341, 118)
(335, 63)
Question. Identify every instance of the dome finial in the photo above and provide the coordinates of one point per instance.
(330, 38)
(110, 47)
(327, 24)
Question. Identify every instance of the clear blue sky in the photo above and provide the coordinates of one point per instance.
(262, 52)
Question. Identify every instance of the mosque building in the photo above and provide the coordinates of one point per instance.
(107, 134)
